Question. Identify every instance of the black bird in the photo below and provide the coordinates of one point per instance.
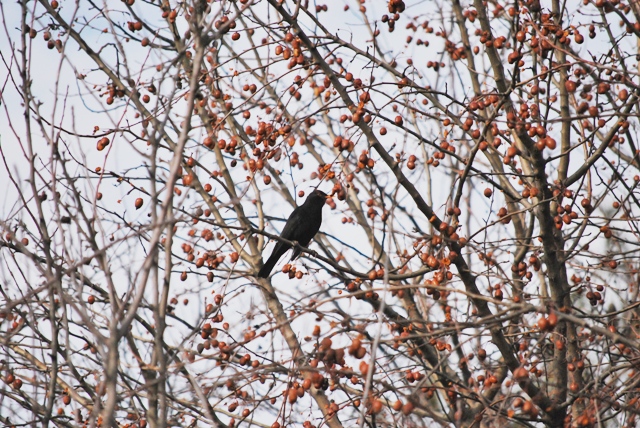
(302, 225)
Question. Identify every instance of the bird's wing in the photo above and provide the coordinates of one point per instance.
(293, 224)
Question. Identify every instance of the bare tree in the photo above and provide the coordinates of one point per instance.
(478, 263)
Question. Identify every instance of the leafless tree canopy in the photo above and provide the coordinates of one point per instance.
(478, 263)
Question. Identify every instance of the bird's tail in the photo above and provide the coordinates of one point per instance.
(269, 265)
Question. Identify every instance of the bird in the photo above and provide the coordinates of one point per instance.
(302, 225)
